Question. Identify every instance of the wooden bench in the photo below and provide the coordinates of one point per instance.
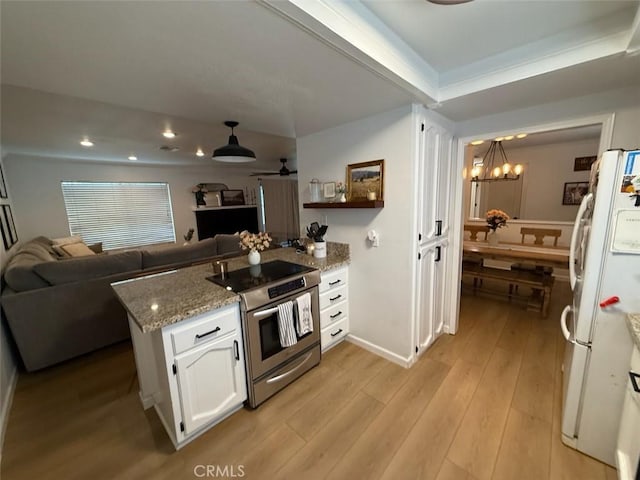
(540, 285)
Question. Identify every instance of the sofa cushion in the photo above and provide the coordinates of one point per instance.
(179, 254)
(228, 243)
(19, 273)
(86, 268)
(66, 240)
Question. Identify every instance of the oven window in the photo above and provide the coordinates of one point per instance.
(269, 336)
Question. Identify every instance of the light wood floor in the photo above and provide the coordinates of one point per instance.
(482, 404)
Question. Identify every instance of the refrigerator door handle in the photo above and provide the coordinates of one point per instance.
(565, 330)
(575, 237)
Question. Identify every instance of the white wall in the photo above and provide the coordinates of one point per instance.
(39, 205)
(379, 278)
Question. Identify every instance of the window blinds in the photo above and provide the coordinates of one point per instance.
(119, 214)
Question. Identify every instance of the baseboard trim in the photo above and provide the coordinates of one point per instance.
(382, 352)
(6, 407)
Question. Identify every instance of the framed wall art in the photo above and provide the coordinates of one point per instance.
(3, 186)
(365, 177)
(4, 227)
(231, 197)
(583, 163)
(329, 189)
(573, 192)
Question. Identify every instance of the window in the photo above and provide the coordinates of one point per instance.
(119, 214)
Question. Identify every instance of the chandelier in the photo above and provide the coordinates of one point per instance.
(490, 169)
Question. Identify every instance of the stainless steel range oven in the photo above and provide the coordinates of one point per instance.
(262, 288)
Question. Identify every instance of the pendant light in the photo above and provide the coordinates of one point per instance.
(233, 152)
(493, 170)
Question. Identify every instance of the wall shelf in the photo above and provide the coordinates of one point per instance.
(357, 204)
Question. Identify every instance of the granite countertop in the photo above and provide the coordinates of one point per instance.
(633, 321)
(159, 300)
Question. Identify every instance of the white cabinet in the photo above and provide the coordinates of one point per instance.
(192, 372)
(435, 151)
(334, 307)
(628, 450)
(430, 298)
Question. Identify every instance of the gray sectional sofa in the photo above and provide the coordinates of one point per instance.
(58, 308)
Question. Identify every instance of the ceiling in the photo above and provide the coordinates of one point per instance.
(123, 71)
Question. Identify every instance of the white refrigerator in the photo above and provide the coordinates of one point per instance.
(605, 278)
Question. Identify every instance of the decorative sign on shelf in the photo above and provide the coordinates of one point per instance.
(583, 163)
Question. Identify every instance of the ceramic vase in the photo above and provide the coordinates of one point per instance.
(254, 257)
(343, 198)
(492, 238)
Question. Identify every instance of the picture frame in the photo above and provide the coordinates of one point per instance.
(574, 192)
(583, 163)
(4, 227)
(3, 185)
(8, 215)
(231, 197)
(365, 177)
(329, 189)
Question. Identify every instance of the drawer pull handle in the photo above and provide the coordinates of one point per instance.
(335, 283)
(335, 298)
(634, 381)
(215, 330)
(236, 349)
(335, 315)
(337, 333)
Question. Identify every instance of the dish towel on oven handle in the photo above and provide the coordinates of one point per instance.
(285, 325)
(304, 319)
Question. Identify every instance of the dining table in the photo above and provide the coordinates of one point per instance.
(542, 256)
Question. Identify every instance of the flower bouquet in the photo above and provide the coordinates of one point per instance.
(496, 219)
(255, 241)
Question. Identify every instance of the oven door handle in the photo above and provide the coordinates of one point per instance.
(265, 313)
(286, 374)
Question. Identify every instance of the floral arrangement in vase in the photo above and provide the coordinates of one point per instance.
(341, 190)
(201, 193)
(255, 243)
(496, 219)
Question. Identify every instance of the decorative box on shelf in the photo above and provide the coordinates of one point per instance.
(349, 204)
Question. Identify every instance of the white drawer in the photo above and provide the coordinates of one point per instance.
(333, 334)
(333, 314)
(333, 297)
(333, 279)
(204, 328)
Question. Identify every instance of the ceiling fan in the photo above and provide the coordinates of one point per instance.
(283, 172)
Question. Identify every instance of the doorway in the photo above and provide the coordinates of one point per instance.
(461, 186)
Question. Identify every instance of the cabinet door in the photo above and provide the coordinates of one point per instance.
(211, 381)
(435, 157)
(430, 296)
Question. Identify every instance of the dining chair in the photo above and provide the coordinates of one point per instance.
(539, 235)
(474, 230)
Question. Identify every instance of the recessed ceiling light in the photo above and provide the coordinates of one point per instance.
(477, 142)
(169, 134)
(200, 153)
(86, 143)
(499, 139)
(521, 135)
(509, 137)
(133, 157)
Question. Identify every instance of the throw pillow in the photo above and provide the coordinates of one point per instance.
(67, 240)
(78, 250)
(60, 252)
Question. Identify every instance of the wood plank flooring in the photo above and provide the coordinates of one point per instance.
(483, 404)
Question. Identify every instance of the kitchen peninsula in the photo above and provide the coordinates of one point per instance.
(189, 337)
